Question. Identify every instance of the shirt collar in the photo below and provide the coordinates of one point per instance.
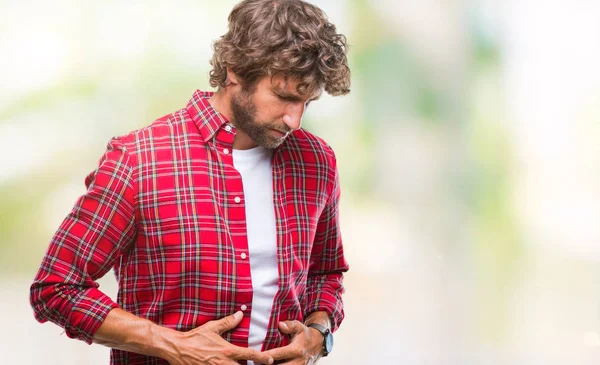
(206, 118)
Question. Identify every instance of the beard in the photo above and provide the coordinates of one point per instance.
(244, 117)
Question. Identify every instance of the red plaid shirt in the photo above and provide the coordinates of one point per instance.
(162, 210)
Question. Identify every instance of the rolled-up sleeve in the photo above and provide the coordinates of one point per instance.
(324, 283)
(99, 228)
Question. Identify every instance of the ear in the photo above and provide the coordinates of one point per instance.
(232, 77)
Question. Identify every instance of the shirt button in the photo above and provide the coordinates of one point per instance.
(243, 307)
(243, 256)
(228, 128)
(237, 199)
(226, 151)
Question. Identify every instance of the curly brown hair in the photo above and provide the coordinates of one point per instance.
(267, 37)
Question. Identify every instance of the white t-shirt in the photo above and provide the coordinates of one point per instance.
(256, 169)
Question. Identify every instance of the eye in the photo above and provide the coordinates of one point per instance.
(285, 98)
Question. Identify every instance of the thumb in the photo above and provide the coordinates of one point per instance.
(227, 323)
(289, 327)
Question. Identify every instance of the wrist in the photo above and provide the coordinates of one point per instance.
(163, 342)
(319, 317)
(325, 337)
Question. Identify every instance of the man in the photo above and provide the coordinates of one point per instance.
(220, 220)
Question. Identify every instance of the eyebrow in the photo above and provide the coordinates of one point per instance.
(288, 95)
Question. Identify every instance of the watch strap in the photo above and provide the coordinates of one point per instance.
(319, 328)
(325, 332)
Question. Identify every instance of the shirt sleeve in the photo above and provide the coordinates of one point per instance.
(98, 229)
(324, 286)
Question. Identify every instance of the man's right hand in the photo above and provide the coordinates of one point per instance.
(205, 346)
(200, 346)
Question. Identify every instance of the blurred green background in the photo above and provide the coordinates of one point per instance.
(468, 150)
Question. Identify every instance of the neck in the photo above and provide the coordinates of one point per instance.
(221, 102)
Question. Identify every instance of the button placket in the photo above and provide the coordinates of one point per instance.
(233, 190)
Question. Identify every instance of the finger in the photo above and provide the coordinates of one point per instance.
(286, 352)
(291, 327)
(243, 353)
(225, 324)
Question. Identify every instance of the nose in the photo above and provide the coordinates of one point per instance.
(293, 115)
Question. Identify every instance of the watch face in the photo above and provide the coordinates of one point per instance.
(329, 342)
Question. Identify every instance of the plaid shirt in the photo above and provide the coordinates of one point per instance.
(165, 210)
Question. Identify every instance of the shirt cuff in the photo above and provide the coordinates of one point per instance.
(325, 294)
(88, 314)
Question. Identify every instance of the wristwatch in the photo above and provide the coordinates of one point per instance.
(327, 337)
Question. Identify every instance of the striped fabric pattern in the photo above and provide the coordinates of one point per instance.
(165, 210)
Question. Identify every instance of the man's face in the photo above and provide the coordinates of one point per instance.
(271, 112)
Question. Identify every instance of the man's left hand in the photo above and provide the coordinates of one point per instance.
(305, 347)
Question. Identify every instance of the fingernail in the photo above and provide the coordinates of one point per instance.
(238, 315)
(270, 361)
(284, 325)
